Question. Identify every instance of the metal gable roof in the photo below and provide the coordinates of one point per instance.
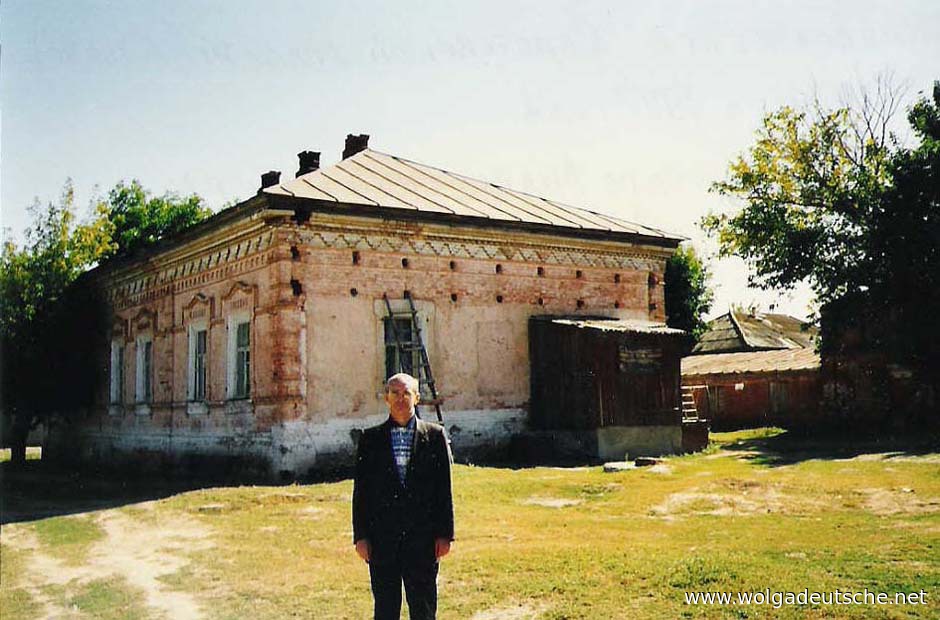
(380, 180)
(753, 331)
(781, 360)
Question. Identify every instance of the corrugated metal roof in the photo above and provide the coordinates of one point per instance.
(721, 335)
(751, 362)
(377, 179)
(774, 331)
(621, 325)
(745, 331)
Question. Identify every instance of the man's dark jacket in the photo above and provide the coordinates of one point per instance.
(402, 521)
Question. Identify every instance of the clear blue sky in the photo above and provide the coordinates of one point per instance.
(631, 108)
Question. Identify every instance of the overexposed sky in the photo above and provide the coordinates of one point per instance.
(629, 108)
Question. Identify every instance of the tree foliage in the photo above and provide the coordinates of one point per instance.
(903, 284)
(141, 219)
(811, 184)
(832, 198)
(688, 296)
(48, 320)
(36, 302)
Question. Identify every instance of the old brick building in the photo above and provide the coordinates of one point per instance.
(260, 337)
(755, 369)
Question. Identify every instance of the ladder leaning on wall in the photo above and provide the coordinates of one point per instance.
(424, 374)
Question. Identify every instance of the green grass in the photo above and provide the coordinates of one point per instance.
(755, 511)
(68, 538)
(15, 602)
(33, 453)
(109, 599)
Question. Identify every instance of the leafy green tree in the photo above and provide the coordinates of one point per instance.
(50, 321)
(37, 343)
(810, 185)
(141, 219)
(831, 197)
(904, 241)
(688, 295)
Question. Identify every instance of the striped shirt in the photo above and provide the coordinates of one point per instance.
(402, 438)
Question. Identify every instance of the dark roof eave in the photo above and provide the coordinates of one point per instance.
(303, 207)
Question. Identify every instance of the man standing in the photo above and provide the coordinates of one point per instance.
(403, 513)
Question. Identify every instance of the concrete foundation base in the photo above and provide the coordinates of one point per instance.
(287, 451)
(613, 443)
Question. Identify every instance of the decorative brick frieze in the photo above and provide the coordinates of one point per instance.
(521, 250)
(179, 276)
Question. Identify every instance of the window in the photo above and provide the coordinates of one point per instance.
(198, 347)
(239, 385)
(395, 361)
(144, 369)
(412, 332)
(117, 372)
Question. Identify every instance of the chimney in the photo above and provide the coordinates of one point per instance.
(309, 161)
(269, 178)
(355, 144)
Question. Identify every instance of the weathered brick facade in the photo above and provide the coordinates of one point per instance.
(311, 285)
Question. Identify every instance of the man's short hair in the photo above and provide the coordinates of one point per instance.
(404, 378)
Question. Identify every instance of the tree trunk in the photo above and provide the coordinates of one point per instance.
(18, 451)
(19, 434)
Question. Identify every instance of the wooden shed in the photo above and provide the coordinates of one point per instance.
(613, 379)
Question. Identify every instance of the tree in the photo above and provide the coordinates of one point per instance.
(688, 296)
(810, 184)
(140, 219)
(833, 198)
(904, 240)
(49, 322)
(35, 301)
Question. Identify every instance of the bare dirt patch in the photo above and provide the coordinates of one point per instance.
(520, 611)
(898, 501)
(140, 553)
(737, 498)
(552, 502)
(741, 454)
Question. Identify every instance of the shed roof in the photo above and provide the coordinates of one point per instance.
(780, 360)
(374, 179)
(754, 331)
(620, 325)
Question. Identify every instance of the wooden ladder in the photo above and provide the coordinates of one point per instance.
(424, 375)
(689, 411)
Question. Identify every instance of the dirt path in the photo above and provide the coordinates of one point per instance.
(139, 552)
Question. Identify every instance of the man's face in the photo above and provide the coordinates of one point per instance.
(400, 400)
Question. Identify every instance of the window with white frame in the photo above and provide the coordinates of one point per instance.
(117, 372)
(198, 362)
(144, 377)
(239, 358)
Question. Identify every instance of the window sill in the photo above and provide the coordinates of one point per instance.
(116, 410)
(142, 409)
(239, 406)
(197, 407)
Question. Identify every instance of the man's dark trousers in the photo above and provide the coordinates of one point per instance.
(420, 589)
(402, 521)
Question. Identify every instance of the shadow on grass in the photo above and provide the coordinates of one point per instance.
(791, 447)
(38, 490)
